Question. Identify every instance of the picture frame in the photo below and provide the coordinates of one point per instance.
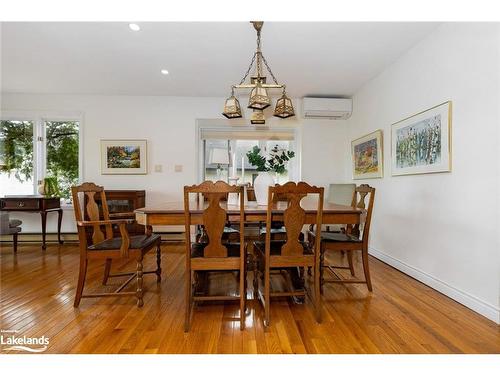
(367, 156)
(124, 156)
(421, 143)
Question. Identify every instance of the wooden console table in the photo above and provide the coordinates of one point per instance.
(35, 203)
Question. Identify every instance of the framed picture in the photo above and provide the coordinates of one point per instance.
(422, 143)
(367, 156)
(124, 156)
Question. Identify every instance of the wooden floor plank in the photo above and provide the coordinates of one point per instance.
(400, 316)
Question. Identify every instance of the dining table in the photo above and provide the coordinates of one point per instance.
(172, 213)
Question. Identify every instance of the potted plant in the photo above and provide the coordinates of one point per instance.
(276, 162)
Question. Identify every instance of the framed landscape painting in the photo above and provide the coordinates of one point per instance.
(126, 156)
(422, 143)
(367, 156)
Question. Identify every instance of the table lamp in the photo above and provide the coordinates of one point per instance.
(219, 156)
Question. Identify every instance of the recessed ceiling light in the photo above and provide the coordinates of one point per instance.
(164, 71)
(134, 26)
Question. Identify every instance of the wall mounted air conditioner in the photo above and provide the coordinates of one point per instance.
(326, 108)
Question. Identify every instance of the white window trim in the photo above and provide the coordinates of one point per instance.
(39, 152)
(214, 126)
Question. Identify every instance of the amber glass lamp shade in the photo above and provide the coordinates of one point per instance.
(284, 107)
(232, 108)
(257, 117)
(259, 98)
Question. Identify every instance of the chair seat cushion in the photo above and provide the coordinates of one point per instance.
(14, 223)
(276, 247)
(233, 249)
(338, 237)
(273, 230)
(136, 242)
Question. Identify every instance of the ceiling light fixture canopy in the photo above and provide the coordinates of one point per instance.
(134, 26)
(259, 97)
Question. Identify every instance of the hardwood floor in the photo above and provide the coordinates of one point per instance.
(400, 316)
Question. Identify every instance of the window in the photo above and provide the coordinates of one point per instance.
(33, 149)
(240, 141)
(16, 157)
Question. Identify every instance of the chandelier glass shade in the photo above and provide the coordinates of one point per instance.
(259, 95)
(259, 99)
(232, 108)
(284, 107)
(257, 117)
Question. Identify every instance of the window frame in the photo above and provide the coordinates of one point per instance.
(219, 126)
(39, 146)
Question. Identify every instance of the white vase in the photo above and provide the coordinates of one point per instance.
(261, 187)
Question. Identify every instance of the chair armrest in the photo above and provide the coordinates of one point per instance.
(88, 223)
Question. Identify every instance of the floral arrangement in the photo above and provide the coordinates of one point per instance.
(276, 160)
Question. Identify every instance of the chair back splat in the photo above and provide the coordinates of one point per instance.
(214, 216)
(86, 208)
(359, 197)
(294, 216)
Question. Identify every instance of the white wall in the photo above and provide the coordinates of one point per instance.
(169, 125)
(442, 228)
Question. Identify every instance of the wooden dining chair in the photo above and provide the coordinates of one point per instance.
(291, 253)
(354, 238)
(338, 194)
(103, 246)
(213, 254)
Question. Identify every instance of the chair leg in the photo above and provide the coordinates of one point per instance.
(255, 283)
(366, 269)
(351, 263)
(158, 263)
(321, 265)
(15, 242)
(107, 270)
(81, 281)
(243, 292)
(188, 294)
(267, 296)
(317, 290)
(139, 292)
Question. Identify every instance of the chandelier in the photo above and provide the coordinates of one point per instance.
(259, 97)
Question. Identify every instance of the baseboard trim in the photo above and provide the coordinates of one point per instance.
(481, 307)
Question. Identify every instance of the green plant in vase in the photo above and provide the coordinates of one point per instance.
(276, 162)
(49, 187)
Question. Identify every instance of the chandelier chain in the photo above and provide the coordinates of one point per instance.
(269, 69)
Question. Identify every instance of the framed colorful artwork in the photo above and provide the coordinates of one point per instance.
(124, 156)
(422, 143)
(367, 156)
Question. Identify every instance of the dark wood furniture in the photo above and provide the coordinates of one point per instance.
(121, 205)
(105, 246)
(35, 203)
(212, 254)
(291, 253)
(353, 238)
(8, 227)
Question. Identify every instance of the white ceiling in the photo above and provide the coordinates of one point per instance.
(203, 58)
